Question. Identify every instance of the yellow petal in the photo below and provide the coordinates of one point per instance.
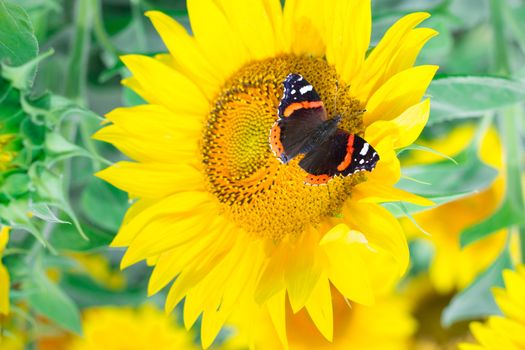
(380, 228)
(4, 237)
(175, 205)
(277, 310)
(133, 84)
(399, 93)
(404, 129)
(411, 122)
(210, 292)
(515, 287)
(508, 306)
(211, 325)
(376, 192)
(171, 263)
(350, 37)
(250, 21)
(470, 347)
(272, 278)
(4, 290)
(136, 178)
(511, 329)
(219, 43)
(186, 53)
(319, 307)
(409, 49)
(391, 46)
(388, 168)
(169, 87)
(170, 148)
(274, 12)
(346, 268)
(302, 272)
(165, 233)
(155, 119)
(302, 29)
(490, 339)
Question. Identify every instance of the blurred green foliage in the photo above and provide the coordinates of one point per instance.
(54, 102)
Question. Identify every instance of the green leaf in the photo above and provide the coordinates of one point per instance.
(89, 293)
(471, 96)
(477, 301)
(416, 147)
(17, 40)
(16, 185)
(399, 210)
(34, 133)
(447, 179)
(22, 76)
(103, 205)
(48, 299)
(421, 254)
(57, 145)
(66, 238)
(43, 212)
(505, 216)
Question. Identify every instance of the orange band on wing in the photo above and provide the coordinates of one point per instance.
(275, 140)
(299, 105)
(317, 179)
(348, 158)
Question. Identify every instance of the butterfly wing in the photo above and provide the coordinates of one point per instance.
(299, 113)
(342, 154)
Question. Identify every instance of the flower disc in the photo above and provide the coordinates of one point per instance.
(263, 196)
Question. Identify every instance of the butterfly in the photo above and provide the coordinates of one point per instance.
(303, 127)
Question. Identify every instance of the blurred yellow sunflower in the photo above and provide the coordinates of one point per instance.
(6, 154)
(387, 325)
(426, 306)
(126, 328)
(4, 274)
(452, 267)
(215, 211)
(98, 268)
(507, 331)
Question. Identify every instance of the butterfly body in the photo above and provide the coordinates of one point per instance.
(303, 127)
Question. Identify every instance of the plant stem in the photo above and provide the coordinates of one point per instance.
(101, 34)
(136, 12)
(501, 59)
(77, 68)
(510, 133)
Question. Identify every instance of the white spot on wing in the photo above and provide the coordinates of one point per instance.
(365, 149)
(293, 91)
(361, 161)
(305, 89)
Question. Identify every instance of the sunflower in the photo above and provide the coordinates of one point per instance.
(426, 307)
(4, 275)
(143, 328)
(6, 155)
(214, 210)
(507, 331)
(387, 325)
(98, 268)
(452, 267)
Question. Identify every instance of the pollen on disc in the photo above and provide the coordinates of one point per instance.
(261, 195)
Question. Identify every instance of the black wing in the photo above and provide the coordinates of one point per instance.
(297, 90)
(300, 112)
(342, 154)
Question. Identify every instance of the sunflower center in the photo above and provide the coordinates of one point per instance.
(263, 196)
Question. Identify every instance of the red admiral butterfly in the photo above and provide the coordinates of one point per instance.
(303, 127)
